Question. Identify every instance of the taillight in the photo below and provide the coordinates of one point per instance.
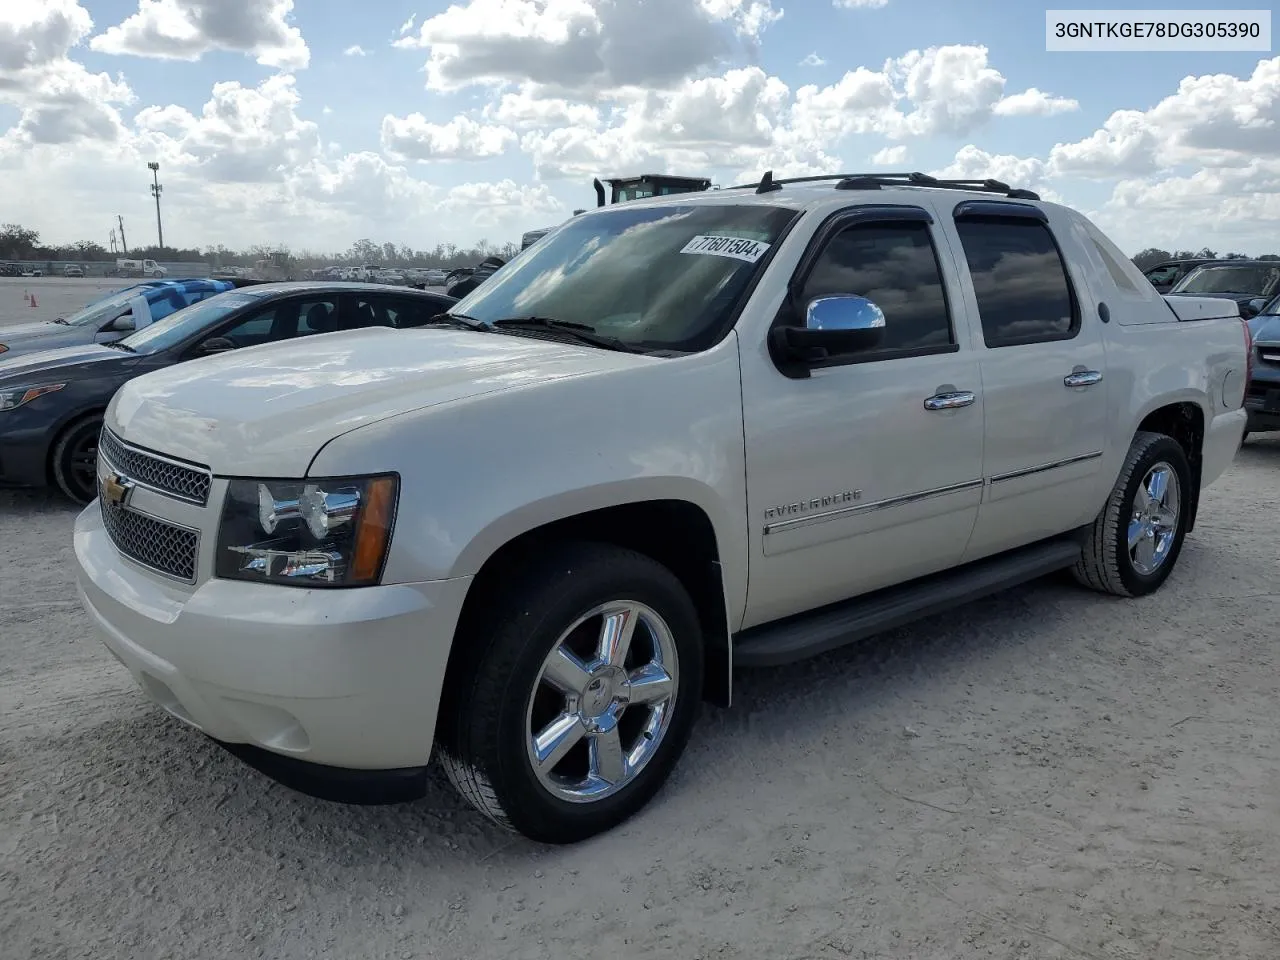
(1248, 352)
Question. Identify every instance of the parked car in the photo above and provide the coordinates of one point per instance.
(541, 534)
(1165, 274)
(1250, 283)
(1263, 400)
(110, 317)
(51, 402)
(73, 270)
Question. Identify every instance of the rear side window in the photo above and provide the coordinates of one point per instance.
(1023, 291)
(892, 264)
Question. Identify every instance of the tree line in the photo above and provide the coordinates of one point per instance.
(1153, 255)
(23, 244)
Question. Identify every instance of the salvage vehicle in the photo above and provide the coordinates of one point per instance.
(51, 401)
(110, 317)
(1165, 274)
(537, 532)
(1250, 283)
(126, 267)
(1263, 399)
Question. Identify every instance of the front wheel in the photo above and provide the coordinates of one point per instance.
(577, 694)
(75, 460)
(1136, 539)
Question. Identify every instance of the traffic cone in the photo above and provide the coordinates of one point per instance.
(33, 300)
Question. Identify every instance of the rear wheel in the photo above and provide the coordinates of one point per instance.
(75, 459)
(577, 696)
(1136, 539)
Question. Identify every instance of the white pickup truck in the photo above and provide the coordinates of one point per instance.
(677, 435)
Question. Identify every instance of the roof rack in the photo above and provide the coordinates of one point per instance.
(874, 181)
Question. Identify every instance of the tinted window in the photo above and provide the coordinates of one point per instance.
(1261, 280)
(177, 327)
(894, 266)
(414, 311)
(1024, 295)
(286, 319)
(662, 277)
(1163, 274)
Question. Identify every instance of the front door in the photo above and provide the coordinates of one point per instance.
(1043, 363)
(854, 482)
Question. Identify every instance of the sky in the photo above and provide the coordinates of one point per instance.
(309, 126)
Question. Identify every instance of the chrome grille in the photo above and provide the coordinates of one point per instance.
(162, 546)
(167, 476)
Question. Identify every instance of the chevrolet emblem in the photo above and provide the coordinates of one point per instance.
(116, 489)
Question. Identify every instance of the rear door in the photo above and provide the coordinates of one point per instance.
(1043, 363)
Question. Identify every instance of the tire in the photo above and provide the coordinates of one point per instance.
(501, 693)
(157, 275)
(73, 459)
(1107, 564)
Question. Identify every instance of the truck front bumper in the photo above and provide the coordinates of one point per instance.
(339, 684)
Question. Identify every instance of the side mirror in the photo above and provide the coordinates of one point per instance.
(217, 345)
(122, 324)
(1253, 307)
(832, 325)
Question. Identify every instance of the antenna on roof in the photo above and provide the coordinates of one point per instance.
(767, 183)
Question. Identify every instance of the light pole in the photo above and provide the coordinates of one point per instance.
(156, 189)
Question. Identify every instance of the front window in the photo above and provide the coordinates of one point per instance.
(178, 326)
(661, 278)
(1257, 279)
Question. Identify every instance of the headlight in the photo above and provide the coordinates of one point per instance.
(11, 397)
(308, 533)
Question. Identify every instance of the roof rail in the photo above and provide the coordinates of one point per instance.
(874, 181)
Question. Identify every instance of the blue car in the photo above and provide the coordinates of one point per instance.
(110, 317)
(1263, 398)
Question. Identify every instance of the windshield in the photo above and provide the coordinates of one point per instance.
(662, 278)
(104, 310)
(187, 322)
(1258, 279)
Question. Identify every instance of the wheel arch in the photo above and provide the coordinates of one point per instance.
(1184, 422)
(56, 434)
(645, 526)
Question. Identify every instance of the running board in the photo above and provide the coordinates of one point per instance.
(809, 634)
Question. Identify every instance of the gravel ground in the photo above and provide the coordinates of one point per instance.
(1046, 774)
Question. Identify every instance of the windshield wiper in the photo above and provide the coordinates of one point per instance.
(459, 320)
(63, 321)
(119, 345)
(582, 332)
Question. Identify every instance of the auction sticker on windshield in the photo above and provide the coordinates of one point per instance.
(736, 247)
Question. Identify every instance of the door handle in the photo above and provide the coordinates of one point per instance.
(1082, 378)
(950, 401)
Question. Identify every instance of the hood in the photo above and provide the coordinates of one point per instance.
(65, 362)
(1265, 328)
(40, 335)
(267, 411)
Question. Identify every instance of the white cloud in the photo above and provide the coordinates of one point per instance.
(462, 138)
(583, 46)
(1034, 103)
(60, 102)
(890, 156)
(525, 109)
(407, 27)
(812, 60)
(1215, 119)
(188, 29)
(355, 50)
(492, 204)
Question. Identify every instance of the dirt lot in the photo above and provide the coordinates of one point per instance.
(1048, 774)
(55, 296)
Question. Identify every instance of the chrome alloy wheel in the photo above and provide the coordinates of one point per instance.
(1153, 527)
(602, 702)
